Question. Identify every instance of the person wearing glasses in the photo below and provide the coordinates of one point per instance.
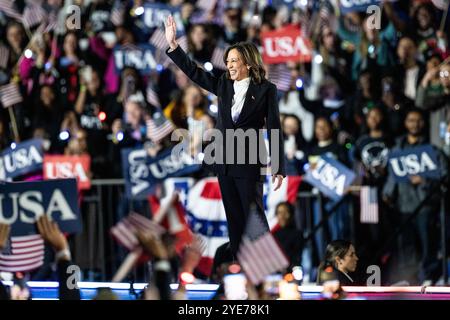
(436, 102)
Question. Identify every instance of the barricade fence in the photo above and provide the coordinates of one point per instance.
(99, 255)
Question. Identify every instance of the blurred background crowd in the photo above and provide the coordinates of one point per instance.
(366, 90)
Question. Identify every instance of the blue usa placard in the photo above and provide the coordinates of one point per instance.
(135, 173)
(155, 15)
(22, 202)
(421, 161)
(347, 6)
(141, 57)
(331, 177)
(141, 172)
(24, 158)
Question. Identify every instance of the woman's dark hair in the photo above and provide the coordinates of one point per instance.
(130, 76)
(207, 44)
(328, 121)
(299, 139)
(383, 125)
(12, 24)
(428, 7)
(251, 56)
(268, 14)
(290, 209)
(178, 113)
(335, 249)
(77, 38)
(374, 81)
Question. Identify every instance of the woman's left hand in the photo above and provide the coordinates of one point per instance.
(279, 179)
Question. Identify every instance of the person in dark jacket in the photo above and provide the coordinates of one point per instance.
(287, 235)
(247, 103)
(405, 198)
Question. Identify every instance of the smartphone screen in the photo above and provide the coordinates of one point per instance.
(235, 286)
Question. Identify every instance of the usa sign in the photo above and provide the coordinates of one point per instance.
(61, 167)
(286, 44)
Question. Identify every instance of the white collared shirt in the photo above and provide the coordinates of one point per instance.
(240, 90)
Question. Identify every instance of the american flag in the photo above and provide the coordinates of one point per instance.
(205, 4)
(259, 253)
(117, 14)
(7, 7)
(22, 253)
(304, 24)
(4, 56)
(158, 127)
(217, 57)
(211, 11)
(52, 23)
(152, 97)
(33, 15)
(10, 95)
(158, 39)
(183, 42)
(280, 75)
(125, 230)
(327, 15)
(369, 204)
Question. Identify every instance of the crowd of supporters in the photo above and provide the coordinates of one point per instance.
(366, 91)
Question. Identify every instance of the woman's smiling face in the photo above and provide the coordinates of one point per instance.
(236, 66)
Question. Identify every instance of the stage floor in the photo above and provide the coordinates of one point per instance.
(49, 291)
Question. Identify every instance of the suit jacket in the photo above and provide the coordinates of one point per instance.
(260, 109)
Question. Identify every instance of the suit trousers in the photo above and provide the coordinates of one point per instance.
(238, 194)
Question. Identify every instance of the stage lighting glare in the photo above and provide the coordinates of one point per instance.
(102, 116)
(208, 66)
(297, 272)
(187, 277)
(28, 54)
(64, 135)
(213, 108)
(138, 11)
(318, 59)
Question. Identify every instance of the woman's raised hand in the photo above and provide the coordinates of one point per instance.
(171, 32)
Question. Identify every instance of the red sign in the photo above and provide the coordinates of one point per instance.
(62, 167)
(285, 44)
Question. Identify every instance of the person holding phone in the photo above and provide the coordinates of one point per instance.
(246, 102)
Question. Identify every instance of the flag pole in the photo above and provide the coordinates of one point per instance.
(14, 124)
(444, 18)
(127, 265)
(162, 212)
